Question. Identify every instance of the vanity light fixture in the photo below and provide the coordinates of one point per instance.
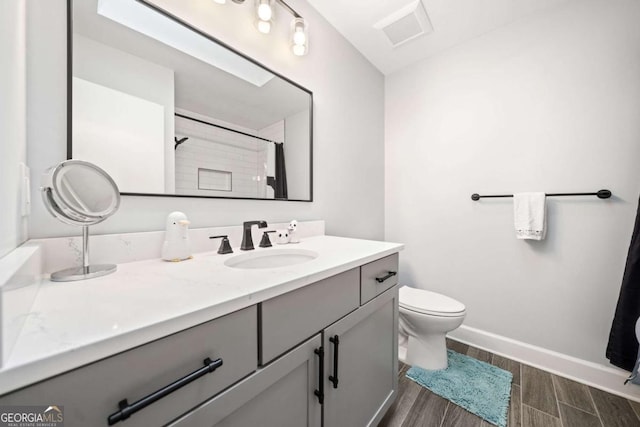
(299, 36)
(264, 9)
(264, 17)
(263, 26)
(264, 13)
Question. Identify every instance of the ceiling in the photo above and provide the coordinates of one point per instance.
(453, 22)
(199, 87)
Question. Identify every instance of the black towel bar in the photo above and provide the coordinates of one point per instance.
(601, 194)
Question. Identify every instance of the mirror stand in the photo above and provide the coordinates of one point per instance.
(80, 193)
(86, 271)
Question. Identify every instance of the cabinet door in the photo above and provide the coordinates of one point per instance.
(366, 367)
(280, 395)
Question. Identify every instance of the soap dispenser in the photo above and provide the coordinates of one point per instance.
(176, 244)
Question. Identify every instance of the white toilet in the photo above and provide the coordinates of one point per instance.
(425, 319)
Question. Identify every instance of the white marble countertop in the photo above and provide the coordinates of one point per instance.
(72, 324)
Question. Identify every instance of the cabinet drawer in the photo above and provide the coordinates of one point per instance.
(91, 393)
(279, 395)
(289, 319)
(379, 269)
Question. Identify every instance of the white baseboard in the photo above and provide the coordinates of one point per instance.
(607, 378)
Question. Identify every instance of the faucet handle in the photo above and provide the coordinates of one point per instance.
(265, 242)
(225, 246)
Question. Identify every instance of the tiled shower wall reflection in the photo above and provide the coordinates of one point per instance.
(216, 149)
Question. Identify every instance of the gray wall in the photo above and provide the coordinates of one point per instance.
(551, 104)
(348, 123)
(12, 121)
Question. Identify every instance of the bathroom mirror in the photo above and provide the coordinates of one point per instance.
(80, 193)
(167, 110)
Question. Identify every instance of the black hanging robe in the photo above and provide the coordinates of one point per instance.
(622, 349)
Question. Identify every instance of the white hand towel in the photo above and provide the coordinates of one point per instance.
(529, 213)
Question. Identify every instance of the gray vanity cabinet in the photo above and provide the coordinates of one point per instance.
(285, 392)
(279, 395)
(92, 393)
(276, 361)
(361, 379)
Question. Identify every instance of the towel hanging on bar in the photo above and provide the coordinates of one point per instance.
(530, 215)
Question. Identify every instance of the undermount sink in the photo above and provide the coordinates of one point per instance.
(271, 258)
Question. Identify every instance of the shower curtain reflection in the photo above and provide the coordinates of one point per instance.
(281, 173)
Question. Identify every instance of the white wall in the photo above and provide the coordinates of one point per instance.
(550, 103)
(348, 123)
(95, 62)
(12, 122)
(296, 154)
(129, 147)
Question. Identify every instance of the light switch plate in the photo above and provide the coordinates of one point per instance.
(25, 190)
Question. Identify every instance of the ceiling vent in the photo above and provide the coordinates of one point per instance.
(406, 24)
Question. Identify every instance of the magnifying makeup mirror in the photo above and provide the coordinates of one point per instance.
(80, 193)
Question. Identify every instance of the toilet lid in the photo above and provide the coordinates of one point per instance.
(428, 302)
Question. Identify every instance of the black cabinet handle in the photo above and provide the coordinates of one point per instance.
(335, 340)
(126, 409)
(382, 279)
(320, 393)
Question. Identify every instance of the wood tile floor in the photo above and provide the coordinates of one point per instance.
(538, 399)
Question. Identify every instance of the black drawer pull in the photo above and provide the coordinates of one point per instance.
(126, 409)
(382, 279)
(335, 340)
(320, 393)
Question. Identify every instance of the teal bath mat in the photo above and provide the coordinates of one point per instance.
(478, 387)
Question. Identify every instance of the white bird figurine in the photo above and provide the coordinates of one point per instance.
(293, 232)
(176, 242)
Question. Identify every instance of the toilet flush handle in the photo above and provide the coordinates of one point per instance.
(389, 275)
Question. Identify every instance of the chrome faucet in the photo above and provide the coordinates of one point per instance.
(247, 240)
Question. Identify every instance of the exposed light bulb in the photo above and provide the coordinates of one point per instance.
(264, 26)
(264, 11)
(299, 49)
(299, 37)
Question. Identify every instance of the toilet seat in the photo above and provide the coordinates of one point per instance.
(430, 303)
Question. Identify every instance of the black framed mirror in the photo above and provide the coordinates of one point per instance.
(168, 110)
